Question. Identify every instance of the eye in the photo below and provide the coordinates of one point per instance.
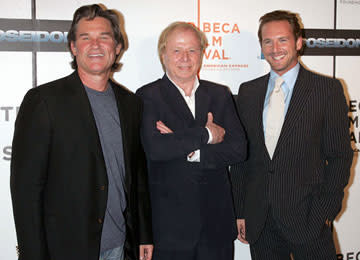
(105, 37)
(267, 42)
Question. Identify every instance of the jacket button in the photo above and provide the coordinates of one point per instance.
(100, 220)
(102, 187)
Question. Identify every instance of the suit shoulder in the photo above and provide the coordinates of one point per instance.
(149, 88)
(252, 87)
(126, 93)
(214, 87)
(322, 81)
(255, 82)
(55, 84)
(52, 88)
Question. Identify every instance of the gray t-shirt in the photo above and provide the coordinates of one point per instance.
(106, 115)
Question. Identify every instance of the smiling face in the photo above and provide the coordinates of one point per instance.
(95, 48)
(279, 46)
(182, 56)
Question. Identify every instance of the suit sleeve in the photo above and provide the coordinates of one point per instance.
(165, 147)
(30, 149)
(233, 148)
(144, 207)
(237, 174)
(337, 151)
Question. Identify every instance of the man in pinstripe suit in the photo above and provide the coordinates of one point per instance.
(287, 193)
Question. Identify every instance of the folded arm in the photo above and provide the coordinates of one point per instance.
(167, 146)
(162, 143)
(232, 149)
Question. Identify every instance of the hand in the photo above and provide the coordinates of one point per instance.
(328, 222)
(146, 252)
(163, 128)
(241, 230)
(217, 131)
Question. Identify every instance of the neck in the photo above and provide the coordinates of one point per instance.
(96, 82)
(187, 85)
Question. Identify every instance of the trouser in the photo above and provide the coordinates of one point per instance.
(200, 252)
(272, 245)
(113, 254)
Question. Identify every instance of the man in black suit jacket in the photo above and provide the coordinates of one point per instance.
(62, 178)
(286, 199)
(193, 216)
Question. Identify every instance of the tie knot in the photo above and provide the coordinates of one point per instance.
(278, 82)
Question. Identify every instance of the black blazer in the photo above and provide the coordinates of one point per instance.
(303, 184)
(58, 175)
(190, 199)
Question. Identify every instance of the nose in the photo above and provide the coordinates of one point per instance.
(94, 43)
(275, 46)
(185, 55)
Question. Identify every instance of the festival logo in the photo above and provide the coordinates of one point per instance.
(222, 52)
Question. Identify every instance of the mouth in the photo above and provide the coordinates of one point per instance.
(184, 67)
(96, 55)
(278, 57)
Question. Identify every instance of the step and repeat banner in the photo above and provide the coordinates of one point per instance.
(33, 51)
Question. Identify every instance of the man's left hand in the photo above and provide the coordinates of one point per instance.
(146, 252)
(328, 222)
(163, 128)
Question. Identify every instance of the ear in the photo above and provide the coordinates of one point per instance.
(73, 48)
(163, 56)
(118, 49)
(299, 43)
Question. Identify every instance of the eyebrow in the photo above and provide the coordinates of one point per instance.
(103, 33)
(106, 33)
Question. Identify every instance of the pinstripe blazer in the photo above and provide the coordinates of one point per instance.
(303, 184)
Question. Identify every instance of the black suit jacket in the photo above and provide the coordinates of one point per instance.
(303, 184)
(58, 174)
(190, 199)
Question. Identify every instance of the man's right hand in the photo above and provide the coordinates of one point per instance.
(217, 131)
(241, 230)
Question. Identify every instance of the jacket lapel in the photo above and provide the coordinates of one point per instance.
(202, 105)
(81, 104)
(125, 117)
(299, 98)
(259, 108)
(175, 101)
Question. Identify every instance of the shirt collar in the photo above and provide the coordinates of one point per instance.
(195, 87)
(289, 77)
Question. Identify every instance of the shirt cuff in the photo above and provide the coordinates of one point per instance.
(210, 136)
(195, 157)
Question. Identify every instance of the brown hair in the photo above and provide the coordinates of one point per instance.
(280, 15)
(90, 12)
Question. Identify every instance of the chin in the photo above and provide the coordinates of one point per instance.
(97, 68)
(187, 74)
